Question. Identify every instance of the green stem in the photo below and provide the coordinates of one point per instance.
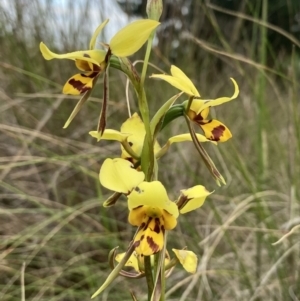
(163, 278)
(147, 160)
(148, 274)
(147, 56)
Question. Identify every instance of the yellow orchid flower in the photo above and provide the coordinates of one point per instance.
(125, 42)
(213, 129)
(149, 206)
(132, 135)
(151, 210)
(89, 61)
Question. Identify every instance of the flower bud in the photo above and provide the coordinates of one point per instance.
(154, 9)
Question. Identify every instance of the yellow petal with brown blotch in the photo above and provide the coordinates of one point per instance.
(192, 198)
(196, 111)
(80, 83)
(136, 216)
(87, 66)
(215, 130)
(152, 194)
(150, 238)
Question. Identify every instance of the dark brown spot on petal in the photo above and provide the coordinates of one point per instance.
(157, 225)
(148, 222)
(90, 74)
(217, 132)
(130, 143)
(96, 68)
(86, 55)
(182, 201)
(153, 246)
(131, 161)
(137, 243)
(198, 118)
(162, 229)
(78, 85)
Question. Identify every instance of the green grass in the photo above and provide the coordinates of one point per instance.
(55, 235)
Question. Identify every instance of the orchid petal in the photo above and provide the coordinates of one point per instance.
(152, 194)
(188, 259)
(131, 262)
(221, 100)
(92, 56)
(109, 134)
(80, 83)
(119, 175)
(192, 198)
(178, 73)
(132, 37)
(150, 239)
(188, 137)
(215, 130)
(96, 33)
(175, 82)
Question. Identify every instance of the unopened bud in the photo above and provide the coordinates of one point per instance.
(154, 9)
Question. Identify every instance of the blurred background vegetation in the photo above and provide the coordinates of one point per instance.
(54, 233)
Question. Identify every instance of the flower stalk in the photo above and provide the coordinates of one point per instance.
(133, 173)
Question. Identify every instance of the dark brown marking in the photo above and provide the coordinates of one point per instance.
(162, 229)
(78, 85)
(182, 201)
(217, 132)
(198, 118)
(153, 246)
(86, 55)
(130, 143)
(96, 68)
(90, 75)
(137, 243)
(131, 161)
(148, 222)
(157, 225)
